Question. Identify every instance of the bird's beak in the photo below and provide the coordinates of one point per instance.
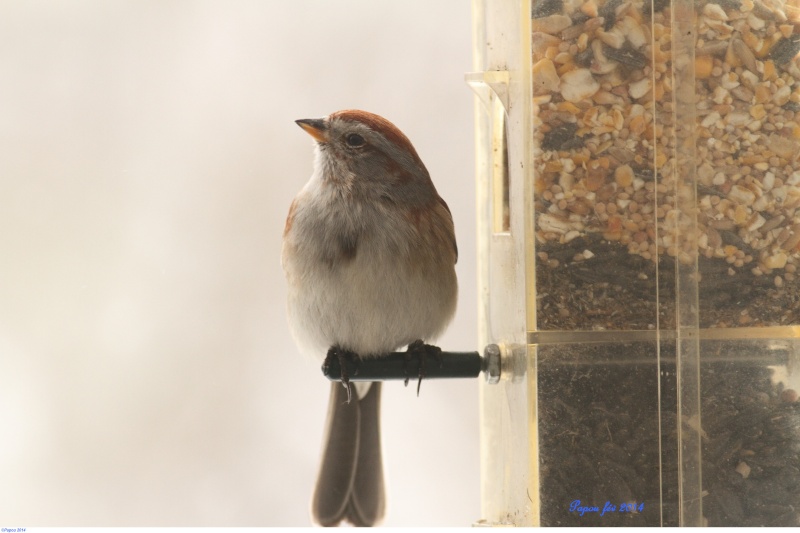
(315, 127)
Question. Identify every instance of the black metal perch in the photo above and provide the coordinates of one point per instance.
(398, 365)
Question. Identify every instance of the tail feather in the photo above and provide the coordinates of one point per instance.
(350, 482)
(367, 502)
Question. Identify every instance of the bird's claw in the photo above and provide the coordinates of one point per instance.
(421, 350)
(343, 356)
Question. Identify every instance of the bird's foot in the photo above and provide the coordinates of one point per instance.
(422, 351)
(343, 357)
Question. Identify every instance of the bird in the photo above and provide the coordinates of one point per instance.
(369, 253)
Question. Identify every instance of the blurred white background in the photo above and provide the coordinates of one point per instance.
(148, 157)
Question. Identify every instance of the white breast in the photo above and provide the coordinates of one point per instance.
(381, 299)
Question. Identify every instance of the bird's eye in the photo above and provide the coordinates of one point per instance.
(355, 140)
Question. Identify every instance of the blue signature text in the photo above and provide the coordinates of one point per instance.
(625, 507)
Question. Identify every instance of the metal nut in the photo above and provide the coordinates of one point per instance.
(491, 362)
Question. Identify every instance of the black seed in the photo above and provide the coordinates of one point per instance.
(728, 4)
(785, 49)
(562, 135)
(792, 106)
(579, 17)
(644, 172)
(708, 191)
(584, 59)
(626, 55)
(655, 6)
(609, 13)
(729, 237)
(545, 8)
(572, 144)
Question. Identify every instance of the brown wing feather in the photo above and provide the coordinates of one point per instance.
(452, 227)
(290, 217)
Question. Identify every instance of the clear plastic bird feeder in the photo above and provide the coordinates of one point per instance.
(639, 201)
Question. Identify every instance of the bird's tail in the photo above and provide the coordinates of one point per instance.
(350, 482)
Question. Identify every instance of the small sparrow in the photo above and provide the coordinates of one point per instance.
(369, 253)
